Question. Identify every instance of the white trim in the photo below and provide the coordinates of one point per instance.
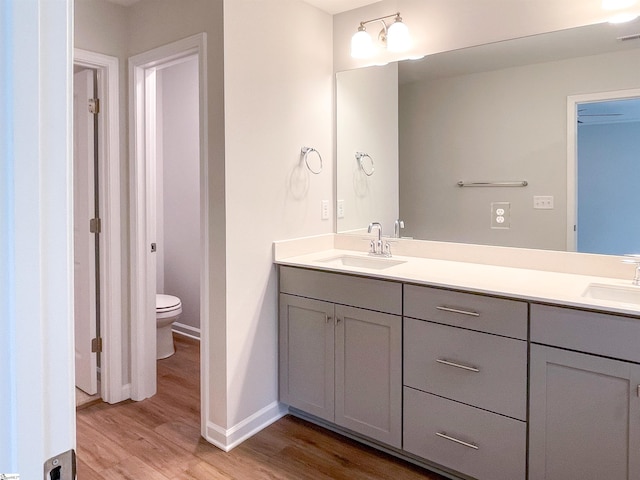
(229, 438)
(109, 197)
(186, 330)
(143, 362)
(572, 160)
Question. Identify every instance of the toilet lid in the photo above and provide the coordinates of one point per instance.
(166, 303)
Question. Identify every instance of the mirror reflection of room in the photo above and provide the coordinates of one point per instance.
(499, 113)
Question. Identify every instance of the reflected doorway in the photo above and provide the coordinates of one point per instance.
(603, 170)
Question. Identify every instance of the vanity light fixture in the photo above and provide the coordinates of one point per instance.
(395, 37)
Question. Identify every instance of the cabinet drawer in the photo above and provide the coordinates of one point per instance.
(474, 442)
(591, 332)
(479, 369)
(361, 292)
(467, 310)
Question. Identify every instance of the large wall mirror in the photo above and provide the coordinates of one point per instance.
(551, 121)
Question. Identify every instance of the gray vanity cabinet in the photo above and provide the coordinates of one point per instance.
(306, 349)
(465, 382)
(584, 409)
(341, 362)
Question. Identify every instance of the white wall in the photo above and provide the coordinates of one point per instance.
(178, 207)
(507, 124)
(440, 25)
(278, 98)
(367, 121)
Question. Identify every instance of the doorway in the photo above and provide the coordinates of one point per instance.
(106, 276)
(146, 76)
(603, 138)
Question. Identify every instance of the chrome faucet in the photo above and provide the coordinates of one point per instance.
(397, 225)
(378, 247)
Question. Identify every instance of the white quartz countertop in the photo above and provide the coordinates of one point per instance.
(520, 283)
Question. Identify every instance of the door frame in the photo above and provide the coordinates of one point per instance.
(142, 147)
(112, 389)
(572, 152)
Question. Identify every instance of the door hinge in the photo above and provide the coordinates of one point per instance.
(94, 106)
(95, 225)
(96, 345)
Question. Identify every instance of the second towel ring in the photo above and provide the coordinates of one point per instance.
(305, 151)
(360, 156)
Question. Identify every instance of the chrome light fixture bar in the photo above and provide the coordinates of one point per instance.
(395, 37)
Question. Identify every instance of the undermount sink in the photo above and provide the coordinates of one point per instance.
(374, 263)
(613, 293)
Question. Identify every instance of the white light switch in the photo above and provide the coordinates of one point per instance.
(325, 210)
(543, 202)
(340, 212)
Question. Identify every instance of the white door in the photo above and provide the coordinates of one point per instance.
(84, 241)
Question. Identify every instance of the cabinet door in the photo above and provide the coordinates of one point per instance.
(306, 350)
(369, 373)
(584, 417)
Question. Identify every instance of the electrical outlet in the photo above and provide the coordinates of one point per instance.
(325, 210)
(500, 215)
(543, 202)
(340, 212)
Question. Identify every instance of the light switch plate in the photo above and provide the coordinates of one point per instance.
(340, 212)
(543, 202)
(325, 210)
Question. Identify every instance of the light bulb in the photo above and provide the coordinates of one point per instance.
(623, 17)
(398, 36)
(617, 4)
(361, 44)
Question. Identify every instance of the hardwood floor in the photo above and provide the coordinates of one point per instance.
(159, 439)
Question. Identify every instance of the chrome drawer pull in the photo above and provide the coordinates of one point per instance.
(447, 437)
(455, 310)
(457, 365)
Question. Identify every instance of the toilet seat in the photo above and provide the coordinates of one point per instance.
(167, 303)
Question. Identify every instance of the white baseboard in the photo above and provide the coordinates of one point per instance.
(186, 330)
(227, 439)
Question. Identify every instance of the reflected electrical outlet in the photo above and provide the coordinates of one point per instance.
(500, 215)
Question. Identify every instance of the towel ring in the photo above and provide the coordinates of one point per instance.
(305, 151)
(360, 156)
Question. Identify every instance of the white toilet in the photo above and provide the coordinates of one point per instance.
(168, 309)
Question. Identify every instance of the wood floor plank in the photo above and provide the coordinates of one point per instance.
(159, 439)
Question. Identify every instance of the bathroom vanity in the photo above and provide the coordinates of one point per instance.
(475, 371)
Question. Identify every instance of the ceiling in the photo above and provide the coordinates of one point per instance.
(339, 6)
(330, 6)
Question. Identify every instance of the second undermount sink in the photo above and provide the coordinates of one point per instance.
(613, 293)
(374, 263)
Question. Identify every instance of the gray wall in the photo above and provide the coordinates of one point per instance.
(502, 125)
(178, 212)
